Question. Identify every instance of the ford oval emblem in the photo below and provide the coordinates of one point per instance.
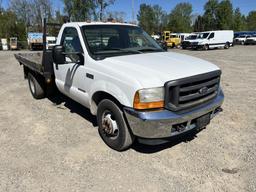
(203, 90)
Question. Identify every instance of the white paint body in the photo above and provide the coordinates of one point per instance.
(122, 76)
(242, 38)
(220, 38)
(50, 41)
(252, 38)
(4, 44)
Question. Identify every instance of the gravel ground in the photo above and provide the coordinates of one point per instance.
(53, 145)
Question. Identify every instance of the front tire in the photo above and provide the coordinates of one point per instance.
(206, 47)
(112, 126)
(36, 86)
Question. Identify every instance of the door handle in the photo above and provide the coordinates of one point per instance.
(90, 76)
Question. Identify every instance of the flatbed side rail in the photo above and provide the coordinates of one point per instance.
(29, 63)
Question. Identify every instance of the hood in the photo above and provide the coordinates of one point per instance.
(154, 69)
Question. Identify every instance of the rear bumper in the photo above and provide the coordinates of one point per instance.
(163, 123)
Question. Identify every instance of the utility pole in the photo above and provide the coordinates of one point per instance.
(101, 9)
(133, 19)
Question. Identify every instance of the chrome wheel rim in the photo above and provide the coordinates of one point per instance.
(109, 125)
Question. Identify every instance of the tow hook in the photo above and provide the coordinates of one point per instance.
(216, 112)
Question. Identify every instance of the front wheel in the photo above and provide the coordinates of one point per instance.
(206, 47)
(112, 126)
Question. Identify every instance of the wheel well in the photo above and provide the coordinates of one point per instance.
(98, 97)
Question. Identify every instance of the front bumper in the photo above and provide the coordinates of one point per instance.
(161, 124)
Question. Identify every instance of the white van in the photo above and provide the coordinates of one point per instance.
(213, 39)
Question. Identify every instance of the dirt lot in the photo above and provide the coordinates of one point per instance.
(53, 145)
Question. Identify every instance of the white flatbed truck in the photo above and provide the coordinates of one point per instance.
(136, 89)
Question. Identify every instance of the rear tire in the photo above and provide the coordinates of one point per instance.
(36, 86)
(118, 138)
(227, 45)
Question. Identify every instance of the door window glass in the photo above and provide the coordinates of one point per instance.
(70, 40)
(211, 36)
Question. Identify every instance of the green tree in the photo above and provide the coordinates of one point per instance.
(224, 15)
(103, 4)
(146, 18)
(180, 18)
(80, 10)
(10, 27)
(238, 21)
(1, 9)
(251, 21)
(210, 15)
(32, 12)
(23, 10)
(160, 18)
(116, 15)
(199, 24)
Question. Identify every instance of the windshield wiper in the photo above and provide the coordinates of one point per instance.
(149, 49)
(117, 50)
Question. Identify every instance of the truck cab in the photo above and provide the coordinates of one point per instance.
(172, 39)
(134, 87)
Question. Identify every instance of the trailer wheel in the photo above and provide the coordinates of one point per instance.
(112, 126)
(35, 86)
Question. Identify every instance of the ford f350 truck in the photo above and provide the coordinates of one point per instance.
(136, 89)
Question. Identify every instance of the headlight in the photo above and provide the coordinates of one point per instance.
(149, 98)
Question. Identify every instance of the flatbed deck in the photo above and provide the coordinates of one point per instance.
(33, 60)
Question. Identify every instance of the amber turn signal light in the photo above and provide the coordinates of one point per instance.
(146, 105)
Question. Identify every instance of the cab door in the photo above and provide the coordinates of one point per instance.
(211, 40)
(69, 76)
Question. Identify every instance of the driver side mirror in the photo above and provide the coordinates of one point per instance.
(59, 56)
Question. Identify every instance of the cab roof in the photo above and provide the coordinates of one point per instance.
(80, 24)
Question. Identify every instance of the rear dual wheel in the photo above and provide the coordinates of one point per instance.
(36, 86)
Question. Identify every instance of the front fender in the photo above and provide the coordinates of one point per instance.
(124, 95)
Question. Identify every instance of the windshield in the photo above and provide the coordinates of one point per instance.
(115, 40)
(191, 37)
(202, 35)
